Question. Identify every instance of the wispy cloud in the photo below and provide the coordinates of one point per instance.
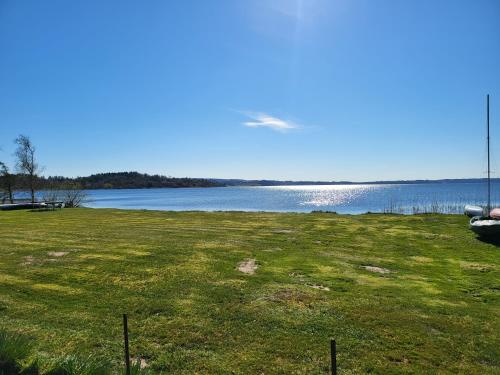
(263, 120)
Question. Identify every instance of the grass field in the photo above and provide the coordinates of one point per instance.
(431, 306)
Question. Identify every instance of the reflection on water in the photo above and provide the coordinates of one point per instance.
(353, 199)
(328, 195)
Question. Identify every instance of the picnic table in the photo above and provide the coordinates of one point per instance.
(52, 204)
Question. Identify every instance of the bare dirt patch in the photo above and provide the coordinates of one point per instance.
(376, 269)
(57, 254)
(248, 266)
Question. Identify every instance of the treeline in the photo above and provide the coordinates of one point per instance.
(132, 180)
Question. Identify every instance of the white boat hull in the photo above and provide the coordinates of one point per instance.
(472, 211)
(485, 227)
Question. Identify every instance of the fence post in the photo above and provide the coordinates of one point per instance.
(125, 338)
(333, 355)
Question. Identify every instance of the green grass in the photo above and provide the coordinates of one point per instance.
(14, 350)
(191, 310)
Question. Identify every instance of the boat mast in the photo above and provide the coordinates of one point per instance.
(488, 138)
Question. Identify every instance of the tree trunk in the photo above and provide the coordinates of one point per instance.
(32, 188)
(11, 198)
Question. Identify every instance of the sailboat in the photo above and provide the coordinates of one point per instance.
(486, 224)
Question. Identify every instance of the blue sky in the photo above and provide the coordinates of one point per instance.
(314, 89)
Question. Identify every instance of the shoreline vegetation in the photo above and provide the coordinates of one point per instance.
(241, 292)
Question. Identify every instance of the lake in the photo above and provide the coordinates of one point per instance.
(447, 197)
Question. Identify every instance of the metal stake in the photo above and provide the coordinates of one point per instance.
(333, 355)
(125, 337)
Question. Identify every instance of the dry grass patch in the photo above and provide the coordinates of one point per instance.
(482, 267)
(319, 287)
(57, 254)
(420, 259)
(290, 296)
(28, 260)
(376, 269)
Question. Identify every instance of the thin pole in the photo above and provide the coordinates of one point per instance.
(489, 172)
(333, 355)
(125, 337)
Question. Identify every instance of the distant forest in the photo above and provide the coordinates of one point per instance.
(131, 180)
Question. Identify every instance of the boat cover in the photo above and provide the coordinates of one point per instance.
(495, 213)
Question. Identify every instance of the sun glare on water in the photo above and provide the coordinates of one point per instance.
(328, 195)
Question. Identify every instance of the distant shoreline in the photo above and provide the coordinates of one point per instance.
(223, 183)
(238, 182)
(136, 180)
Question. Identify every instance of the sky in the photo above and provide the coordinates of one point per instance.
(356, 90)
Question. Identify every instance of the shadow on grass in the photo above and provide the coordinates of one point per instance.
(495, 241)
(44, 209)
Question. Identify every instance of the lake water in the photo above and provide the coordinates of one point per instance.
(350, 199)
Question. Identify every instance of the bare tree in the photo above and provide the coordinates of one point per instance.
(73, 195)
(70, 193)
(26, 162)
(7, 181)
